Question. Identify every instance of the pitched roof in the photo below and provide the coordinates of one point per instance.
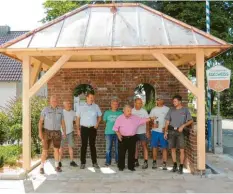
(118, 25)
(10, 69)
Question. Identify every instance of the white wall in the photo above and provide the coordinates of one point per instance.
(7, 91)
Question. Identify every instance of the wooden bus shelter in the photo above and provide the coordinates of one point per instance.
(113, 36)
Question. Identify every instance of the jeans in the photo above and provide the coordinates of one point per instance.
(110, 138)
(88, 134)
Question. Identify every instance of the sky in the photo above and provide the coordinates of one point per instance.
(21, 14)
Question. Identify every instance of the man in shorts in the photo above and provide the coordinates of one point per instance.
(157, 139)
(69, 118)
(51, 121)
(177, 119)
(143, 132)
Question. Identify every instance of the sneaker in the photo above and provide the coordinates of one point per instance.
(82, 166)
(180, 171)
(96, 166)
(132, 169)
(164, 166)
(106, 164)
(145, 165)
(174, 169)
(136, 164)
(60, 164)
(73, 164)
(154, 165)
(41, 170)
(58, 169)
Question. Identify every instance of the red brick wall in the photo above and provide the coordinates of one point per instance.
(109, 83)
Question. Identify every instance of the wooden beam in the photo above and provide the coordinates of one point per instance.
(113, 64)
(112, 51)
(200, 75)
(176, 72)
(26, 114)
(35, 72)
(44, 60)
(49, 74)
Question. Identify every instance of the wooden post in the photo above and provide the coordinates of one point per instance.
(26, 114)
(200, 72)
(35, 72)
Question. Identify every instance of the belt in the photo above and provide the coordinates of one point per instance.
(127, 137)
(88, 126)
(172, 128)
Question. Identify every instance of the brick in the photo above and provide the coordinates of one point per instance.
(120, 83)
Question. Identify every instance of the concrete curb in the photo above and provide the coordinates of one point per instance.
(214, 169)
(20, 175)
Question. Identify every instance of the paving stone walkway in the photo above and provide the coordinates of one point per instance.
(109, 179)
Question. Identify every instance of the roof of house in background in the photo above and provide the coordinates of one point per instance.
(10, 69)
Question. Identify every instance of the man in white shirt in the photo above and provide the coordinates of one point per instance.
(157, 139)
(143, 132)
(69, 118)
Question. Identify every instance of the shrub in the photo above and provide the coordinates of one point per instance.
(13, 112)
(3, 127)
(1, 161)
(10, 154)
(148, 106)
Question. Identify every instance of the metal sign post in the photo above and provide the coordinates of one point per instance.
(208, 90)
(218, 79)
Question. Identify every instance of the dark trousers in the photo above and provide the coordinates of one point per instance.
(127, 143)
(88, 134)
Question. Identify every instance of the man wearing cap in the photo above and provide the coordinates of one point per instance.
(177, 119)
(157, 139)
(51, 121)
(143, 132)
(126, 127)
(88, 119)
(69, 118)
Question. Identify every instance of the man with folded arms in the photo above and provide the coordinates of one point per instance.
(88, 119)
(126, 127)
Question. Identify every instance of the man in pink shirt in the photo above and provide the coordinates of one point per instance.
(126, 127)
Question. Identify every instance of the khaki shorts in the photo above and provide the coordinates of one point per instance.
(176, 139)
(51, 136)
(70, 139)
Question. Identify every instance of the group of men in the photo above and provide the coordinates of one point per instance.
(126, 130)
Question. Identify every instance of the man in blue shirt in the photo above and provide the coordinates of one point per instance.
(88, 119)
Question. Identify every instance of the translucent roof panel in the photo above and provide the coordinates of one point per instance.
(46, 38)
(175, 31)
(22, 44)
(149, 22)
(118, 25)
(125, 30)
(74, 30)
(204, 41)
(99, 29)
